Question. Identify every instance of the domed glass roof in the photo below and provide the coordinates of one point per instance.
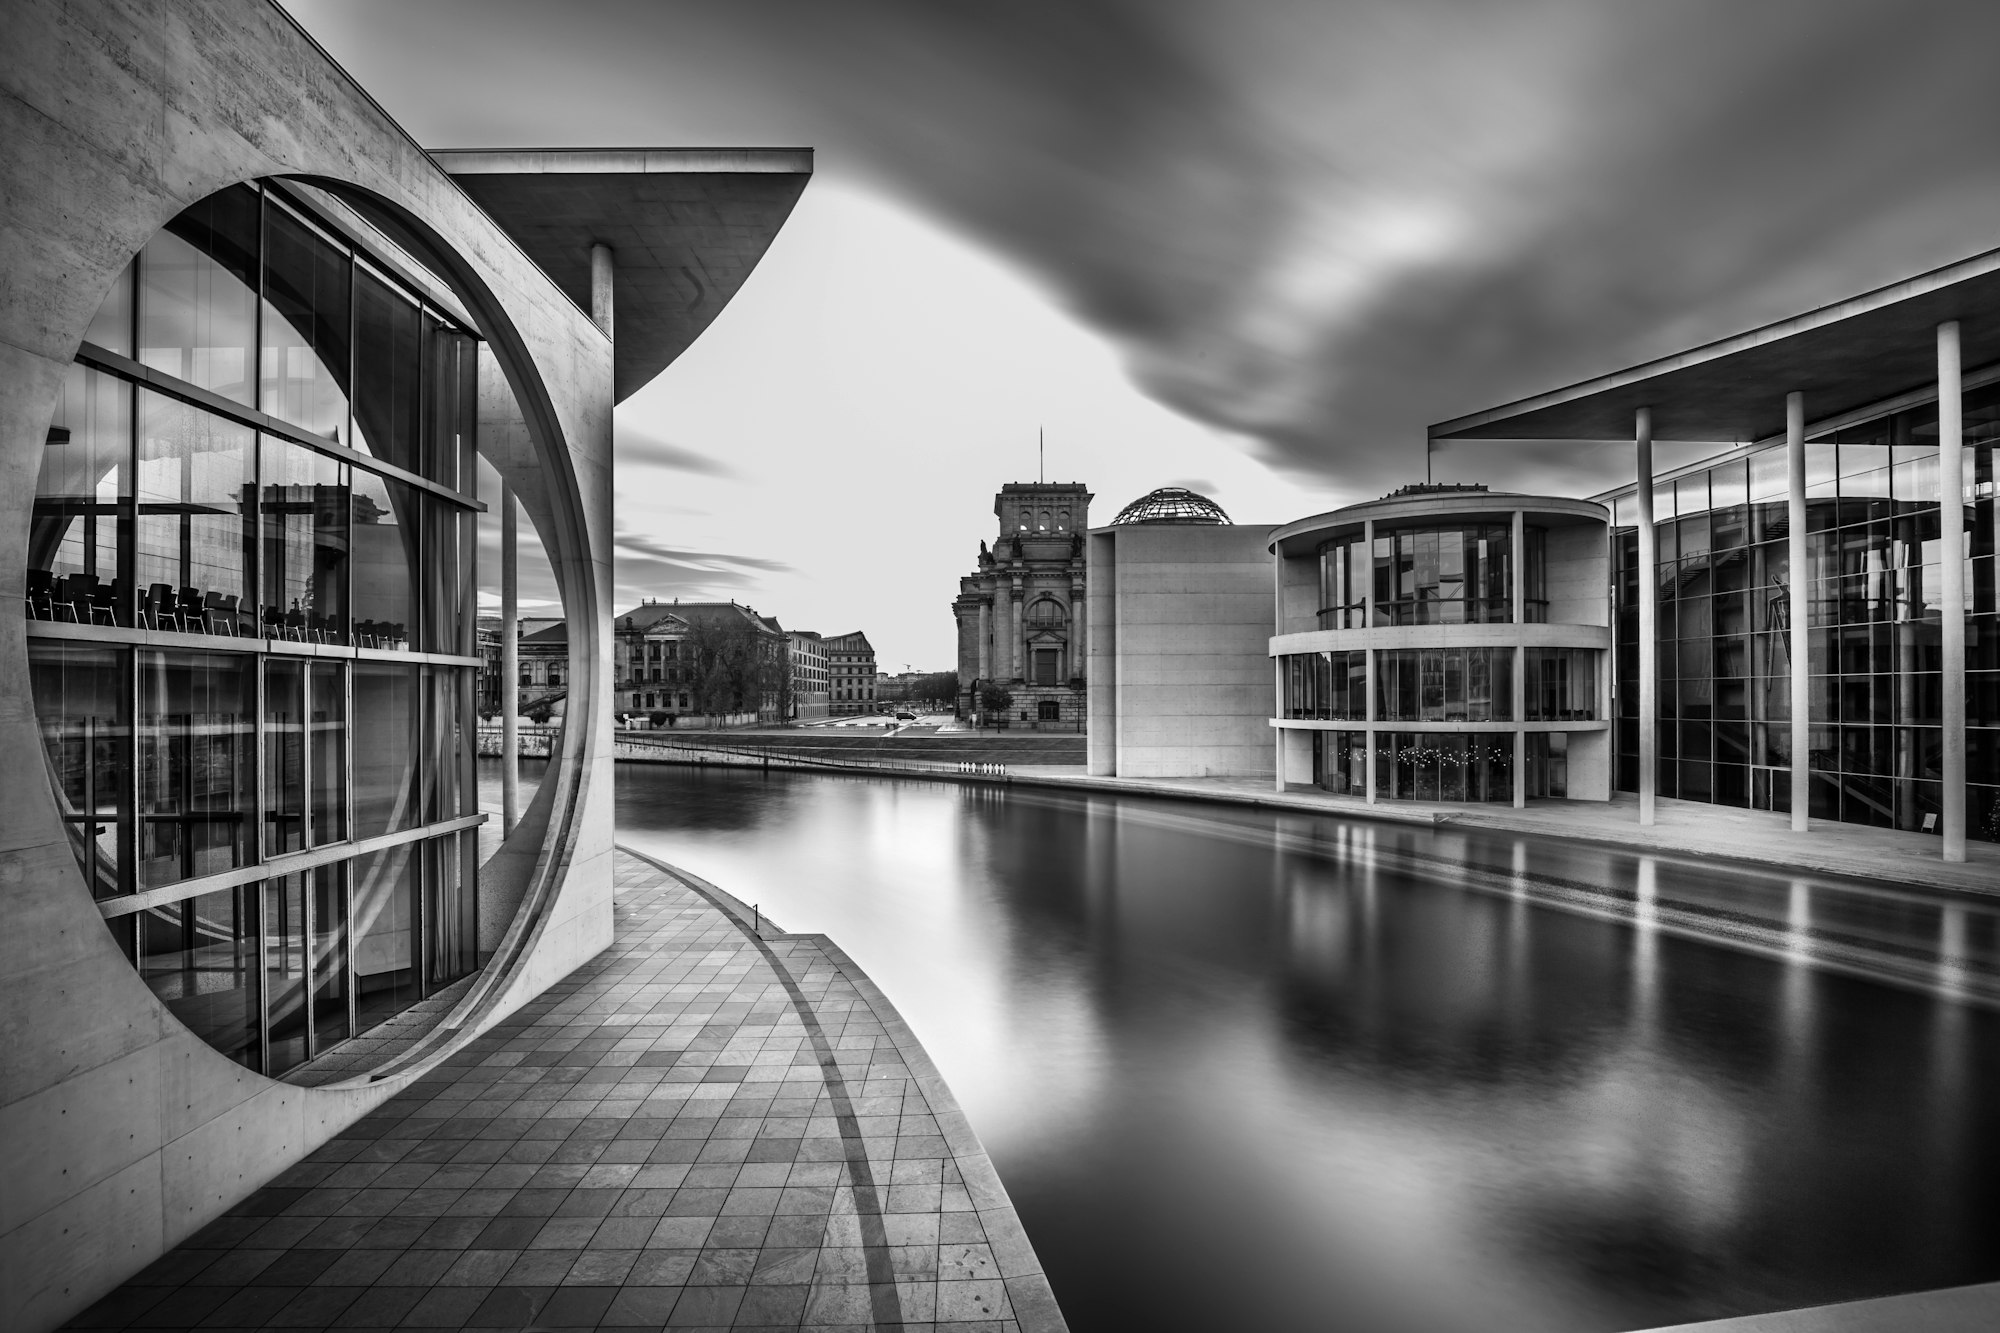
(1171, 504)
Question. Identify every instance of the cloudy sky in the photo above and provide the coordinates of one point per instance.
(1251, 246)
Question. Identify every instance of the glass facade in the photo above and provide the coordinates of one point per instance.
(1872, 639)
(250, 602)
(1431, 575)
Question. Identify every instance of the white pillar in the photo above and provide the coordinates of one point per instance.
(1649, 622)
(510, 663)
(1278, 663)
(1798, 608)
(1951, 534)
(1518, 583)
(1278, 733)
(1368, 579)
(601, 273)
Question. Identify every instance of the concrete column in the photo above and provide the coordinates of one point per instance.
(1797, 608)
(1278, 733)
(1369, 695)
(601, 272)
(1517, 586)
(1649, 622)
(985, 640)
(1951, 534)
(1278, 663)
(510, 662)
(1368, 594)
(1079, 628)
(1016, 658)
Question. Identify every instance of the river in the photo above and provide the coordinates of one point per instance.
(1250, 1069)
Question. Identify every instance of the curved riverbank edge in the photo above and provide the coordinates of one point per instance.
(1028, 1291)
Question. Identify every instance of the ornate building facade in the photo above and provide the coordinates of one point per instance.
(1020, 613)
(850, 668)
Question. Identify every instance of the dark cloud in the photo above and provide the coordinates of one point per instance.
(636, 449)
(1321, 224)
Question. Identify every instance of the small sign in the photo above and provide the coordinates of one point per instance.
(1930, 822)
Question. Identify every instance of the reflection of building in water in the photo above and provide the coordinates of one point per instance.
(1020, 612)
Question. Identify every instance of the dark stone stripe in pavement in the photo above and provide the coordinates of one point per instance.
(887, 1307)
(695, 1129)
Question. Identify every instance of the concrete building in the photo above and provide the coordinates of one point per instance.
(1179, 624)
(811, 687)
(254, 336)
(850, 674)
(1444, 643)
(1019, 613)
(1806, 621)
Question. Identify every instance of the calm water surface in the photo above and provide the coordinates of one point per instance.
(1245, 1069)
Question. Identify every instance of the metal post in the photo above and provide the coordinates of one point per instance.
(510, 663)
(1649, 622)
(1798, 609)
(1951, 535)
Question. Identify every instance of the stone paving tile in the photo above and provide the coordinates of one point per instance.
(699, 1129)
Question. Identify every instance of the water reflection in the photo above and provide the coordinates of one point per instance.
(1248, 1069)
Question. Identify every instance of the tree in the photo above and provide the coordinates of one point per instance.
(735, 668)
(996, 699)
(938, 687)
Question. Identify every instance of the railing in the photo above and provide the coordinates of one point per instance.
(667, 749)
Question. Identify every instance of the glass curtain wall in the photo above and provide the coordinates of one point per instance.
(251, 628)
(1327, 685)
(1873, 638)
(1445, 685)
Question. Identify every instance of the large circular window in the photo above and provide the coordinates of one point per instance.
(251, 626)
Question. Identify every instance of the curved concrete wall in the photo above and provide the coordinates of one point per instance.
(120, 1132)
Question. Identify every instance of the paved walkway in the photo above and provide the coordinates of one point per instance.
(1691, 828)
(699, 1129)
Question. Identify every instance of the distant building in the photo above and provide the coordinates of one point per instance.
(657, 655)
(810, 690)
(1019, 613)
(850, 668)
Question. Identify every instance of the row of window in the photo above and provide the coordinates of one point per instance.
(277, 972)
(1442, 685)
(174, 765)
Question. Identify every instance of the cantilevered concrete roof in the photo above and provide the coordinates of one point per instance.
(685, 225)
(1841, 357)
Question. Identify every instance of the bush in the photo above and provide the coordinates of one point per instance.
(658, 719)
(539, 715)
